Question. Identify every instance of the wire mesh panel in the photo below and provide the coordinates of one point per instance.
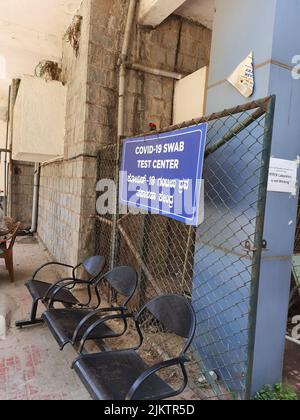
(297, 242)
(106, 164)
(217, 264)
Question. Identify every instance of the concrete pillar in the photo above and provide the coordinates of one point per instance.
(268, 29)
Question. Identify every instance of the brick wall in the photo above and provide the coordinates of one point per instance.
(60, 200)
(91, 115)
(22, 192)
(60, 205)
(176, 45)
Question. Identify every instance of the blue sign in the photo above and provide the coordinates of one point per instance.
(162, 174)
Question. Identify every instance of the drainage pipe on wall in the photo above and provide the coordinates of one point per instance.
(6, 154)
(35, 202)
(154, 71)
(14, 92)
(122, 64)
(121, 113)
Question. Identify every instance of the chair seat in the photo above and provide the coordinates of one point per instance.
(110, 376)
(39, 289)
(63, 323)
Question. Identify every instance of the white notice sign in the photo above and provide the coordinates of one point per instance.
(243, 77)
(283, 176)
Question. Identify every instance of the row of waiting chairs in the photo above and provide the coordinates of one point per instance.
(119, 374)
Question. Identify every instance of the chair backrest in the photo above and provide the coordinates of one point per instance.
(123, 280)
(13, 235)
(9, 223)
(175, 313)
(94, 266)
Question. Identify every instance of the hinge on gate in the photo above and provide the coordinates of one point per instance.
(249, 246)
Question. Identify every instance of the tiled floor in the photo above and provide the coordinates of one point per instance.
(31, 365)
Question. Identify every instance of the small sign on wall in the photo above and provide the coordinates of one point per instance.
(283, 176)
(243, 77)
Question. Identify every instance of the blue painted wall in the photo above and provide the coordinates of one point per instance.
(268, 29)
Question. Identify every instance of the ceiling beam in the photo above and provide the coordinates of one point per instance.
(154, 12)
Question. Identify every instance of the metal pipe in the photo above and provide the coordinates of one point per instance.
(35, 201)
(155, 72)
(235, 131)
(14, 93)
(6, 153)
(262, 103)
(122, 63)
(258, 242)
(121, 115)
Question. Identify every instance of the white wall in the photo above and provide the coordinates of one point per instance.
(39, 120)
(190, 96)
(31, 31)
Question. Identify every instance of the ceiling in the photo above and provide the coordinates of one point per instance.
(30, 31)
(199, 10)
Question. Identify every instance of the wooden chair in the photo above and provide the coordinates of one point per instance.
(9, 223)
(7, 241)
(9, 226)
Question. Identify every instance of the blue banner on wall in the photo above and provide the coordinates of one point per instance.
(162, 174)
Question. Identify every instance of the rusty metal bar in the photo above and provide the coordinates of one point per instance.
(258, 241)
(262, 103)
(235, 131)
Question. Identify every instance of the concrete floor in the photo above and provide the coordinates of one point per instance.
(31, 365)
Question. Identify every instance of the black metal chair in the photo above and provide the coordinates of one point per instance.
(43, 292)
(69, 325)
(123, 374)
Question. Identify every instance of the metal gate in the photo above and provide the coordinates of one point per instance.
(297, 241)
(217, 265)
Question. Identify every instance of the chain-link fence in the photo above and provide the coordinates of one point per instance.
(215, 265)
(297, 241)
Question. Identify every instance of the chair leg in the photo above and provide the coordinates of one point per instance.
(34, 310)
(9, 261)
(33, 319)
